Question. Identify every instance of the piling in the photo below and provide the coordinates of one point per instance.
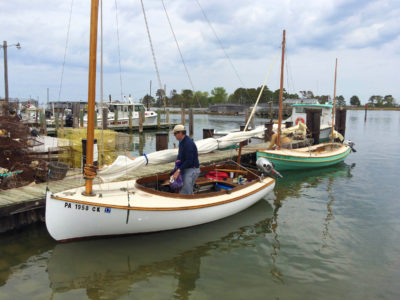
(116, 116)
(130, 113)
(183, 119)
(81, 114)
(268, 131)
(57, 121)
(208, 133)
(161, 141)
(313, 122)
(167, 117)
(158, 118)
(365, 116)
(105, 118)
(43, 128)
(340, 121)
(141, 118)
(191, 127)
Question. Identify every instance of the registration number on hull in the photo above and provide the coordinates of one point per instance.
(84, 207)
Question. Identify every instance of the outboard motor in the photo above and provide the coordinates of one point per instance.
(350, 144)
(267, 167)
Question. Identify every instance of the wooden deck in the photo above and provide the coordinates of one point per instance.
(25, 205)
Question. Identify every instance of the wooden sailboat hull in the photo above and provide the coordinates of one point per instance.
(317, 156)
(70, 215)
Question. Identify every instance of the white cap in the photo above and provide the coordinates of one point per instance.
(178, 128)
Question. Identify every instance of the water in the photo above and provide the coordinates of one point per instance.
(323, 234)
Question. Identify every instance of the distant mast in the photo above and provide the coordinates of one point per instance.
(334, 100)
(281, 90)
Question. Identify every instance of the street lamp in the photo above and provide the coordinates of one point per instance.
(18, 46)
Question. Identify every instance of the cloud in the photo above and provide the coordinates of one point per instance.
(364, 35)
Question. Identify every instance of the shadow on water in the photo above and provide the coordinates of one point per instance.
(109, 268)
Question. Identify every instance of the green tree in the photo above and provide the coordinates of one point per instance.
(202, 98)
(188, 99)
(323, 99)
(159, 98)
(219, 95)
(389, 101)
(148, 101)
(355, 101)
(376, 101)
(340, 101)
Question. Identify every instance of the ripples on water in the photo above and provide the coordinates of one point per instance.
(324, 234)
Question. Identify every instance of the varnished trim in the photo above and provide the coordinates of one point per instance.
(166, 208)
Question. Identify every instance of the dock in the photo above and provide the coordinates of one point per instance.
(26, 205)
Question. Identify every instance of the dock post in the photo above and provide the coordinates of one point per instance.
(191, 122)
(130, 118)
(105, 119)
(340, 121)
(183, 119)
(141, 117)
(116, 115)
(57, 121)
(81, 114)
(42, 117)
(313, 122)
(167, 117)
(365, 116)
(268, 131)
(161, 141)
(208, 133)
(158, 118)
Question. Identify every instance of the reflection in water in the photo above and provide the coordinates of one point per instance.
(110, 268)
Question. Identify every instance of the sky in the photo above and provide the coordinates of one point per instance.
(237, 44)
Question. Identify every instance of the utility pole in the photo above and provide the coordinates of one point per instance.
(6, 73)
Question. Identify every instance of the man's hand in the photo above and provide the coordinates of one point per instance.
(176, 174)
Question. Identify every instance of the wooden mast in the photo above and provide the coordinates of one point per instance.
(334, 101)
(281, 91)
(89, 174)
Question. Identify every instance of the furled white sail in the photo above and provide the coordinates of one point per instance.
(123, 164)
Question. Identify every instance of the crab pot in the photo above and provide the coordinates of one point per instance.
(57, 170)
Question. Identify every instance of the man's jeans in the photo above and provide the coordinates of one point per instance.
(189, 178)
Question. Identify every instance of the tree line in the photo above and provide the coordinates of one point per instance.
(248, 96)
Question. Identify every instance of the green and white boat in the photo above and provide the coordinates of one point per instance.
(317, 156)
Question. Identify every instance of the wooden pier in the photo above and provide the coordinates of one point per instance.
(26, 205)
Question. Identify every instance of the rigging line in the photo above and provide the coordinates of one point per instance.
(65, 51)
(261, 91)
(119, 51)
(180, 53)
(101, 82)
(220, 43)
(152, 52)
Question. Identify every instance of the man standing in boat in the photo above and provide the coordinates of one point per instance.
(189, 159)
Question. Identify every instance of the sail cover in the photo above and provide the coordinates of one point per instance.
(123, 164)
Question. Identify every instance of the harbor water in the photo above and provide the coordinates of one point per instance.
(329, 233)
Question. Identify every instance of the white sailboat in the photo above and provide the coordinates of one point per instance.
(138, 206)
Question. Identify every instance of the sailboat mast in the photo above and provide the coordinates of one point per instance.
(281, 90)
(334, 100)
(89, 174)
